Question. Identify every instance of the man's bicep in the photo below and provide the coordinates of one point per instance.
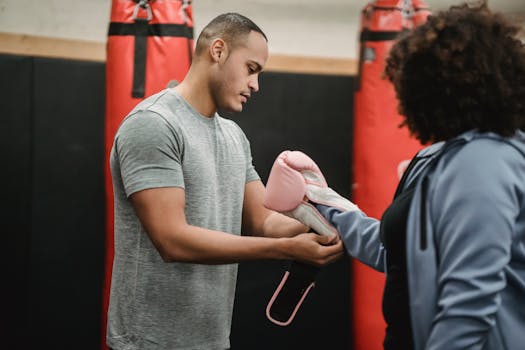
(253, 212)
(161, 213)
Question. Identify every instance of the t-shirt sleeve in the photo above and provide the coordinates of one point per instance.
(149, 151)
(251, 173)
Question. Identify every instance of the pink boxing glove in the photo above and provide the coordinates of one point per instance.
(294, 183)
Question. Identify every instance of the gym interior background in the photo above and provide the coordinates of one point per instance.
(52, 144)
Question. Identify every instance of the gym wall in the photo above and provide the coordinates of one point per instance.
(313, 114)
(52, 128)
(53, 208)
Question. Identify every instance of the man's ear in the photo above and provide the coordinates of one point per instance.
(218, 49)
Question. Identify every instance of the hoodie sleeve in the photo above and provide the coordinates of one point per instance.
(359, 233)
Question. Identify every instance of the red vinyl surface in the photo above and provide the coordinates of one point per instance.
(168, 58)
(381, 151)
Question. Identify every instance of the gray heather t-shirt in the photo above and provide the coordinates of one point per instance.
(164, 142)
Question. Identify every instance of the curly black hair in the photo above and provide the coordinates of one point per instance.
(463, 69)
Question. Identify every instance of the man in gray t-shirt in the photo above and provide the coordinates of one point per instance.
(184, 189)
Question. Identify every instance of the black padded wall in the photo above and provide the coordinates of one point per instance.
(312, 114)
(68, 202)
(54, 111)
(15, 205)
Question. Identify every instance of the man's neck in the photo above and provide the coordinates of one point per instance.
(196, 92)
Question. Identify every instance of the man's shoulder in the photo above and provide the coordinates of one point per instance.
(162, 107)
(165, 104)
(148, 102)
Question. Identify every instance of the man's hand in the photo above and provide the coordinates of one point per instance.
(315, 249)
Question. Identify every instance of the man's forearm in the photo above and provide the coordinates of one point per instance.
(194, 244)
(278, 225)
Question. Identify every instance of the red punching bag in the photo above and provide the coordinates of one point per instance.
(381, 149)
(421, 12)
(150, 44)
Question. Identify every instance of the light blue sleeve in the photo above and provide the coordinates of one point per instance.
(473, 203)
(360, 235)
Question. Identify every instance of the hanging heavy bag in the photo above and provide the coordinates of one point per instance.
(150, 45)
(377, 164)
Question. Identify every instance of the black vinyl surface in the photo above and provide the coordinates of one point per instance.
(15, 211)
(68, 202)
(313, 114)
(299, 278)
(54, 110)
(300, 112)
(52, 129)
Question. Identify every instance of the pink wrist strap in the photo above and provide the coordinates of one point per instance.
(291, 292)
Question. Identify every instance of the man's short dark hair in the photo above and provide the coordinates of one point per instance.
(230, 27)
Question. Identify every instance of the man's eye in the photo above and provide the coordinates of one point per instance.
(251, 69)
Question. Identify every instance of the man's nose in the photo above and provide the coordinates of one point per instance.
(253, 83)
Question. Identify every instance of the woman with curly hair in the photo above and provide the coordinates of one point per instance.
(452, 243)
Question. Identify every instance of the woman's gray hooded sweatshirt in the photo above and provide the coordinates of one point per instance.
(465, 243)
